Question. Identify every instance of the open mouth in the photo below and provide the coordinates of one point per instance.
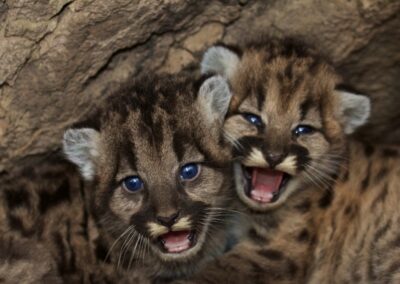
(265, 185)
(177, 241)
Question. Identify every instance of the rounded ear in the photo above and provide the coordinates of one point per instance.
(219, 60)
(354, 110)
(213, 98)
(81, 147)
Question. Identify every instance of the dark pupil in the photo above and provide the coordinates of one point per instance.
(303, 130)
(253, 119)
(133, 183)
(189, 171)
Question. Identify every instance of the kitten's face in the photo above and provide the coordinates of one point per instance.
(161, 170)
(286, 121)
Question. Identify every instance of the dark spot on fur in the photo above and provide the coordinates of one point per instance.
(326, 199)
(382, 173)
(15, 223)
(63, 266)
(292, 268)
(17, 197)
(304, 206)
(390, 153)
(179, 142)
(365, 181)
(248, 142)
(346, 176)
(302, 155)
(101, 251)
(305, 107)
(381, 196)
(382, 231)
(303, 236)
(271, 254)
(260, 94)
(368, 150)
(257, 238)
(127, 152)
(51, 199)
(351, 210)
(393, 269)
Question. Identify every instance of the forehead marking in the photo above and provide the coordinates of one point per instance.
(127, 150)
(305, 107)
(179, 142)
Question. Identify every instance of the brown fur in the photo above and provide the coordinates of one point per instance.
(336, 224)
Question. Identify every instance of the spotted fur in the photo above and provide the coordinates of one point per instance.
(336, 220)
(103, 233)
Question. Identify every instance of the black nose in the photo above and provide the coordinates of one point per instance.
(168, 221)
(274, 159)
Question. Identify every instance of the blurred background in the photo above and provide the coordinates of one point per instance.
(59, 58)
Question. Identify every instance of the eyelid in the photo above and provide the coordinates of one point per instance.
(121, 180)
(314, 124)
(199, 162)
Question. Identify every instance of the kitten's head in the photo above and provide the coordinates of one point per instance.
(161, 170)
(287, 119)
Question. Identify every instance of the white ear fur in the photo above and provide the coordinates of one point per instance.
(81, 147)
(354, 110)
(214, 98)
(219, 60)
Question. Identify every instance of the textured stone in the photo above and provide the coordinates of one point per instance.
(59, 58)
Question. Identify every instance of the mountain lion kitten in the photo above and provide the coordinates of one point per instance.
(160, 176)
(324, 206)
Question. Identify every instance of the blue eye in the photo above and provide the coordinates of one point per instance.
(253, 119)
(303, 130)
(189, 171)
(132, 184)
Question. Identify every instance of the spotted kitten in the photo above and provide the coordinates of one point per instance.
(159, 177)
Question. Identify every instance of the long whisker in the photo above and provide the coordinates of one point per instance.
(123, 248)
(117, 240)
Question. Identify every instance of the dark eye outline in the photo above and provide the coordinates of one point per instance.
(139, 186)
(198, 168)
(303, 129)
(253, 119)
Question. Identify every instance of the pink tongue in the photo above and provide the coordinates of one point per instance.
(176, 241)
(264, 183)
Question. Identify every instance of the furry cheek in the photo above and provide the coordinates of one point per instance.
(208, 187)
(123, 206)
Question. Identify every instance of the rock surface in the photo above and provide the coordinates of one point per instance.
(58, 58)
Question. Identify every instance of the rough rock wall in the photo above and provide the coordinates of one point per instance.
(59, 57)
